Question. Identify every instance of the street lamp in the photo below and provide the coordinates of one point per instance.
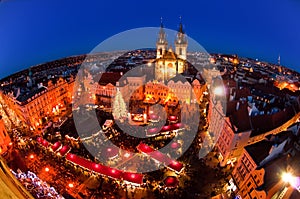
(288, 178)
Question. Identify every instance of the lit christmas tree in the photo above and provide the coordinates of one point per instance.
(119, 107)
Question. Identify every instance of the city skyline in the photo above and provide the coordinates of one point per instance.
(153, 124)
(40, 32)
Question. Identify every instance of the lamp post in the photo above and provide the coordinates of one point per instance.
(288, 178)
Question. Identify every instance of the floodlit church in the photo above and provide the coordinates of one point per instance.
(168, 62)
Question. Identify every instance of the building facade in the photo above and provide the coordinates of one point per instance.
(169, 63)
(5, 140)
(258, 173)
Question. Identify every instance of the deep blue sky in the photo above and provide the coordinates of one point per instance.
(36, 31)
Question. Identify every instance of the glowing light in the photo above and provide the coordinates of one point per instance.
(288, 178)
(127, 155)
(47, 169)
(175, 163)
(219, 90)
(71, 185)
(31, 156)
(235, 61)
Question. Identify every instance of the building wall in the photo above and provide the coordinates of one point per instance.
(229, 144)
(248, 178)
(198, 89)
(105, 93)
(4, 138)
(165, 69)
(181, 91)
(136, 87)
(45, 104)
(12, 110)
(248, 187)
(156, 90)
(243, 168)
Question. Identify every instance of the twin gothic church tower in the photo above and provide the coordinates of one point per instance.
(168, 62)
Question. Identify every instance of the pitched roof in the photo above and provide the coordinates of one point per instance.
(240, 118)
(109, 77)
(25, 96)
(259, 151)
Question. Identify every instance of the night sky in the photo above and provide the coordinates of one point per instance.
(37, 31)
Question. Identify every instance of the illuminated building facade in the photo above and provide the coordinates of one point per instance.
(258, 173)
(169, 63)
(4, 138)
(48, 101)
(33, 97)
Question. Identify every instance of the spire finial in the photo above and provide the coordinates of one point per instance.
(161, 22)
(180, 25)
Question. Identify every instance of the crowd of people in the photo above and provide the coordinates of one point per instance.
(36, 186)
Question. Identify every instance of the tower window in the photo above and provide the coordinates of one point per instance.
(180, 51)
(160, 51)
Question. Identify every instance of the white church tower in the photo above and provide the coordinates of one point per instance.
(181, 43)
(161, 43)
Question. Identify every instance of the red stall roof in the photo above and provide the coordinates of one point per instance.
(133, 177)
(171, 182)
(160, 157)
(105, 170)
(110, 152)
(56, 146)
(64, 150)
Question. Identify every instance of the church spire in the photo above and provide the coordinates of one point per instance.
(180, 26)
(181, 42)
(161, 43)
(162, 35)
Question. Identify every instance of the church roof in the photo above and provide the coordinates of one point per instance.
(169, 55)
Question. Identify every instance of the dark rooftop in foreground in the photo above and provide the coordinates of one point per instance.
(259, 151)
